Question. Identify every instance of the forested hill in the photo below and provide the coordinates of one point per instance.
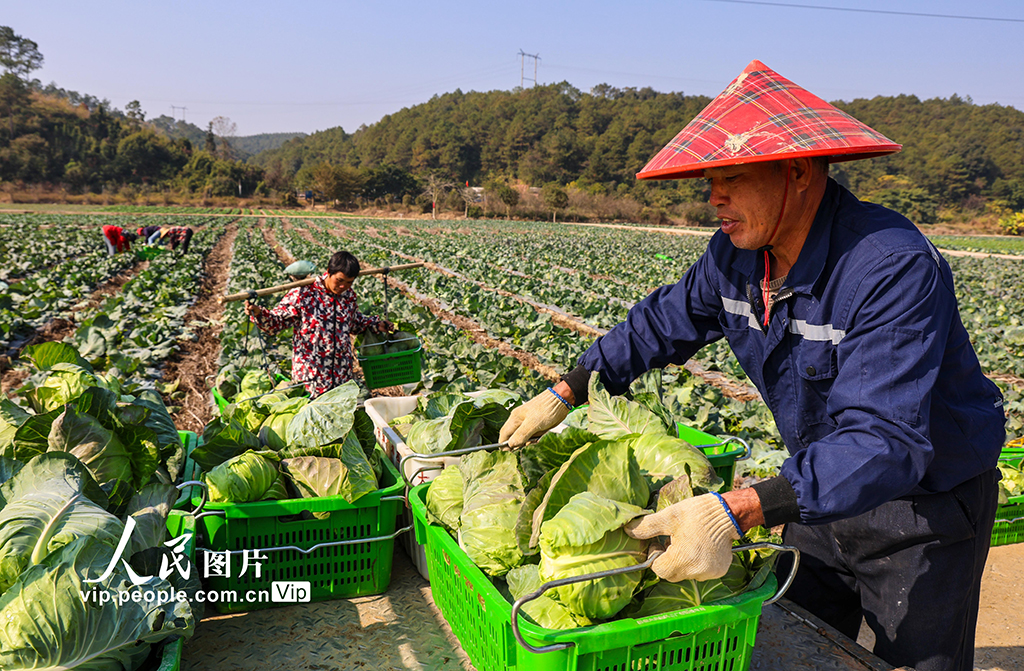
(954, 151)
(243, 146)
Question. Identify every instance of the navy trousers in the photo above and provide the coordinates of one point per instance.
(911, 568)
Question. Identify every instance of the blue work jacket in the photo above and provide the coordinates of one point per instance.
(865, 363)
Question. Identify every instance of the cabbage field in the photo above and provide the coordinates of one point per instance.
(115, 359)
(499, 305)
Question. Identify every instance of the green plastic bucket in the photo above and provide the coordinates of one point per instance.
(723, 455)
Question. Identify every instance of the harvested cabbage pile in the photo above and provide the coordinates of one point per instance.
(300, 448)
(445, 421)
(556, 509)
(376, 344)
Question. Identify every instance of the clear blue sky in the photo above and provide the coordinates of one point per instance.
(308, 66)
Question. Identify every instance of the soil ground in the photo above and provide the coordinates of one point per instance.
(999, 645)
(195, 364)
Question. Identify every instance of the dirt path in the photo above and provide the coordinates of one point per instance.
(999, 645)
(981, 255)
(268, 235)
(194, 364)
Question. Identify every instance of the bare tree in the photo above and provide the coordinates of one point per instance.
(225, 129)
(468, 195)
(436, 187)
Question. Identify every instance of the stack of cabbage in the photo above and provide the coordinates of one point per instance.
(276, 447)
(449, 420)
(84, 467)
(557, 508)
(376, 344)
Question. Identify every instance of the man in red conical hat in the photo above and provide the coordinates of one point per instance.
(844, 317)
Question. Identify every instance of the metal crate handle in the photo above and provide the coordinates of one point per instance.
(437, 467)
(196, 514)
(202, 493)
(520, 602)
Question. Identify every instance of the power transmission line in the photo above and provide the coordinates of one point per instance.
(872, 11)
(522, 67)
(175, 108)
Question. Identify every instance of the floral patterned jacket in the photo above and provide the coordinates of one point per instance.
(322, 350)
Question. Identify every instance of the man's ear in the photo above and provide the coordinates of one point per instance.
(802, 173)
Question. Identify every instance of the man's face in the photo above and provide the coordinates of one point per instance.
(748, 199)
(338, 283)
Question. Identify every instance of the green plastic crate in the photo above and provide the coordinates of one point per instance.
(147, 253)
(168, 657)
(389, 370)
(222, 403)
(1012, 456)
(1009, 526)
(717, 636)
(190, 471)
(335, 572)
(722, 455)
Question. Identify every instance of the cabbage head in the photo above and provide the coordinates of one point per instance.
(492, 495)
(47, 625)
(250, 476)
(587, 536)
(444, 498)
(98, 448)
(254, 383)
(373, 344)
(339, 470)
(63, 383)
(274, 430)
(401, 341)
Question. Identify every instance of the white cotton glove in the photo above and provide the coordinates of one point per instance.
(702, 536)
(542, 412)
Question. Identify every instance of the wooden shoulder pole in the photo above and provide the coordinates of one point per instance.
(309, 280)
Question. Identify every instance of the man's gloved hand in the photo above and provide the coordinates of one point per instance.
(542, 412)
(702, 534)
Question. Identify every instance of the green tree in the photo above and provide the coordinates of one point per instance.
(350, 183)
(75, 176)
(145, 156)
(508, 196)
(133, 111)
(390, 180)
(556, 198)
(14, 99)
(210, 145)
(18, 55)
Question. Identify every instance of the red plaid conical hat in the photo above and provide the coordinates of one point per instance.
(762, 116)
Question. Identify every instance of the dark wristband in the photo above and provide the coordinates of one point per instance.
(578, 380)
(778, 501)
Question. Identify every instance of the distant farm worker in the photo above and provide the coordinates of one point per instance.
(323, 315)
(844, 316)
(177, 236)
(147, 233)
(300, 270)
(117, 239)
